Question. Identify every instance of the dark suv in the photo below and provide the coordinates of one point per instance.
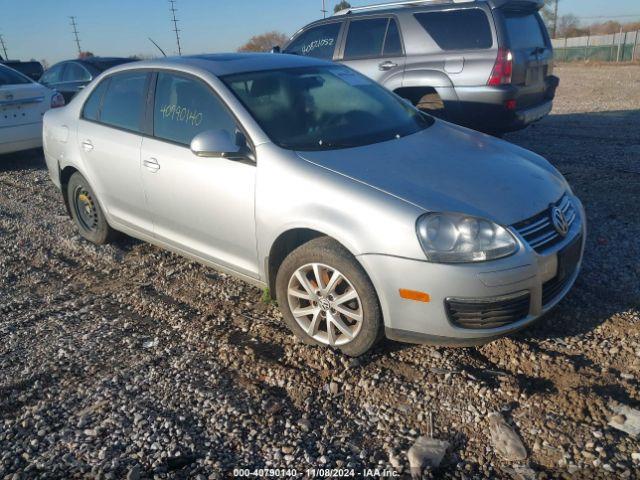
(70, 76)
(485, 64)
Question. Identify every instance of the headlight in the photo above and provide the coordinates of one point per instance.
(455, 238)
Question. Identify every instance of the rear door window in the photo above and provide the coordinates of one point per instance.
(91, 110)
(392, 44)
(185, 107)
(524, 31)
(365, 38)
(123, 103)
(53, 75)
(318, 42)
(75, 73)
(466, 29)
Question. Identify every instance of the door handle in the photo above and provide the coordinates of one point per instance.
(151, 164)
(87, 146)
(388, 65)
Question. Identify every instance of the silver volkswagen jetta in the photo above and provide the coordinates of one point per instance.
(364, 216)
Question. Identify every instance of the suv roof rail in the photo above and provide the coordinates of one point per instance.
(409, 3)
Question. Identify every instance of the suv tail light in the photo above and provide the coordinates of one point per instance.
(57, 100)
(503, 69)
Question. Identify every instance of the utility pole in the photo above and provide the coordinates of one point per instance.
(4, 47)
(324, 10)
(555, 18)
(175, 24)
(74, 25)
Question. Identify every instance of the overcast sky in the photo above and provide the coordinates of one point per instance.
(40, 29)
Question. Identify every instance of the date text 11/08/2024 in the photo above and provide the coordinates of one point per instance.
(315, 473)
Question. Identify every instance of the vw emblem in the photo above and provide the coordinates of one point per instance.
(559, 221)
(324, 304)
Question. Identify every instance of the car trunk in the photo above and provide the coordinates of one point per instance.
(22, 104)
(528, 42)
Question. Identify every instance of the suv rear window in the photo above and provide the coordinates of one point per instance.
(525, 31)
(318, 42)
(466, 29)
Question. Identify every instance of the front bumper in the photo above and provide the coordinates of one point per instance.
(419, 322)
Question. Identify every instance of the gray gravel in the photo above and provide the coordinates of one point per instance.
(126, 361)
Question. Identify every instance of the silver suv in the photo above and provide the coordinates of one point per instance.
(484, 64)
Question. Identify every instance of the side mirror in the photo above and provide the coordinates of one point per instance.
(219, 143)
(276, 49)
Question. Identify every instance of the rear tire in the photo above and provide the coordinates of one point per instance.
(343, 308)
(86, 211)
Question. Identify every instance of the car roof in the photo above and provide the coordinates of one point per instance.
(229, 63)
(396, 6)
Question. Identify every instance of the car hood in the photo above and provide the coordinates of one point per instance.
(447, 168)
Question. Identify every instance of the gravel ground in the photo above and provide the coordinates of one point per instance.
(126, 361)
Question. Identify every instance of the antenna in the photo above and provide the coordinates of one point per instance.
(175, 24)
(74, 25)
(157, 46)
(324, 10)
(4, 47)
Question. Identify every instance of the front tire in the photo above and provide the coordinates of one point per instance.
(327, 298)
(86, 211)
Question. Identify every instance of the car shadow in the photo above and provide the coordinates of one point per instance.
(26, 160)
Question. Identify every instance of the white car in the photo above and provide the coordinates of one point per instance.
(23, 103)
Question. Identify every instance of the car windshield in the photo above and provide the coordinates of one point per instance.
(9, 76)
(324, 108)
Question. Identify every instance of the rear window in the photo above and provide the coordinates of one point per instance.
(11, 77)
(318, 42)
(466, 29)
(524, 31)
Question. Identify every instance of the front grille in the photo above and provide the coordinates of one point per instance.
(539, 232)
(479, 313)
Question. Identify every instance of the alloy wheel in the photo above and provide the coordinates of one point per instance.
(325, 304)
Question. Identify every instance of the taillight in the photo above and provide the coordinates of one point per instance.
(57, 100)
(503, 69)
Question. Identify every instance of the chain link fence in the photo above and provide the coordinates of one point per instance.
(615, 47)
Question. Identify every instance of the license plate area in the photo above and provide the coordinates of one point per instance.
(534, 76)
(568, 258)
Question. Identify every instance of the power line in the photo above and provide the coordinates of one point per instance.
(4, 48)
(175, 24)
(74, 25)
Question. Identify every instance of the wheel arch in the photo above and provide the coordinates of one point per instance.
(288, 241)
(64, 175)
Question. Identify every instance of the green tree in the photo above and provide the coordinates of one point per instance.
(341, 6)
